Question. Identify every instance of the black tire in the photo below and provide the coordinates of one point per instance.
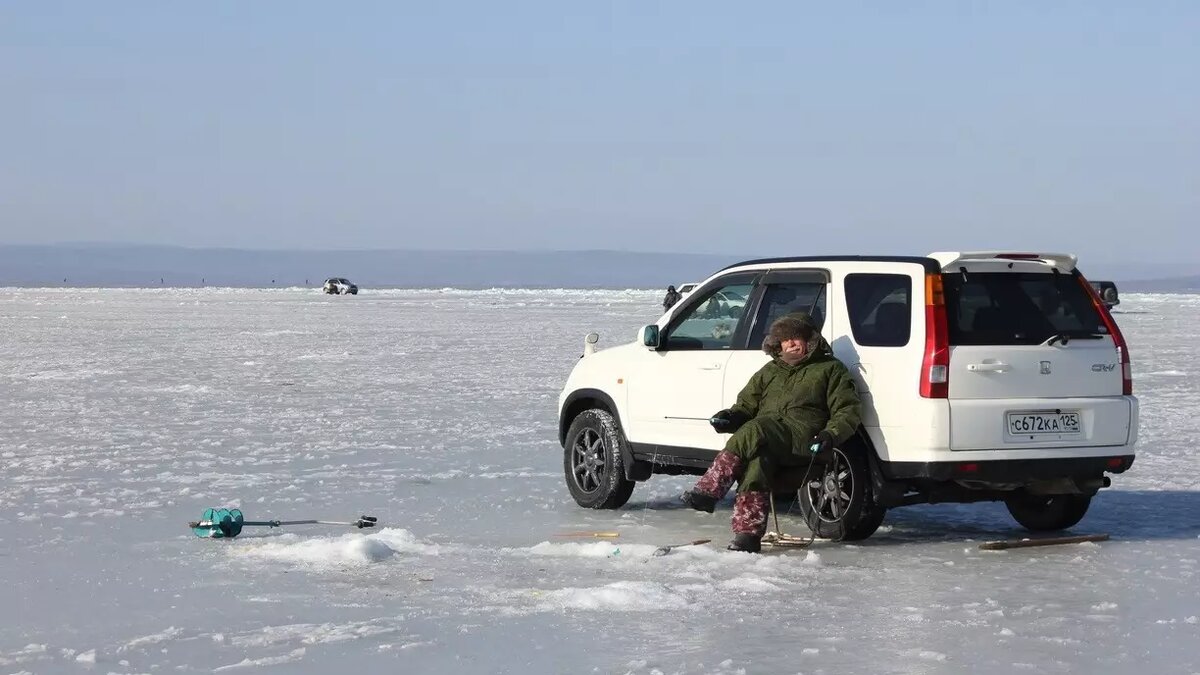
(1109, 295)
(844, 509)
(1046, 513)
(593, 463)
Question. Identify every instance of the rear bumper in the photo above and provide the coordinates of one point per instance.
(1006, 470)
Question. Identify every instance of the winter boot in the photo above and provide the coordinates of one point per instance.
(712, 486)
(749, 521)
(699, 501)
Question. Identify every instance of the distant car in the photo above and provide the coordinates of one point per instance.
(684, 289)
(724, 303)
(339, 286)
(1108, 292)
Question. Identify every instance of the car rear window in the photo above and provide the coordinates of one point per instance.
(880, 309)
(1018, 308)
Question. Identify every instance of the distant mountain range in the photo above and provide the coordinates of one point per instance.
(132, 265)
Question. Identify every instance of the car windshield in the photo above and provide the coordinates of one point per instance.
(1018, 308)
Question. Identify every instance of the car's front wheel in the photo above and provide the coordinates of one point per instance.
(593, 463)
(837, 502)
(1046, 513)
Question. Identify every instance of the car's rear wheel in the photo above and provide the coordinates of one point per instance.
(1045, 513)
(837, 502)
(593, 463)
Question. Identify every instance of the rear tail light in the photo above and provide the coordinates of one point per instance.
(1118, 339)
(935, 367)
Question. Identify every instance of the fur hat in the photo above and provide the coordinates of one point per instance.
(794, 326)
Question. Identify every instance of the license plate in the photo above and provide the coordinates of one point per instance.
(1036, 422)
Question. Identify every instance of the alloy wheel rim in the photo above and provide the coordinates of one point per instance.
(588, 461)
(830, 494)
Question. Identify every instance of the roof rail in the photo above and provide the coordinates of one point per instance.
(1063, 262)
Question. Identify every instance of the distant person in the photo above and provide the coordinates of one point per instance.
(670, 298)
(715, 309)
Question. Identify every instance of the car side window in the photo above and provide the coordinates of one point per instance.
(785, 298)
(710, 321)
(880, 309)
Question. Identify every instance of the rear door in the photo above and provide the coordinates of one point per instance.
(1031, 361)
(885, 357)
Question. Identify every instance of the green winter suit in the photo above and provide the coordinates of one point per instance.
(788, 406)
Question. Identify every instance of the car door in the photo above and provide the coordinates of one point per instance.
(881, 311)
(781, 292)
(673, 390)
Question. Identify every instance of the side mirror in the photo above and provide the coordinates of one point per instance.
(649, 336)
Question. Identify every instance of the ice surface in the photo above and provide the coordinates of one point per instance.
(127, 412)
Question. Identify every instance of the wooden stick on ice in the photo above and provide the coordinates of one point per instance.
(1041, 541)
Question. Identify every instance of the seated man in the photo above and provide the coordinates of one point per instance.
(804, 398)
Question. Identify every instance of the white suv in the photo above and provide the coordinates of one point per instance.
(984, 376)
(339, 286)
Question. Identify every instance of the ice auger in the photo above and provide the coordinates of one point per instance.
(222, 523)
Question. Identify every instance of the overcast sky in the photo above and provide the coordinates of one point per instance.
(688, 126)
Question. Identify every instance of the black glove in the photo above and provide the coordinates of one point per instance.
(721, 421)
(728, 421)
(821, 444)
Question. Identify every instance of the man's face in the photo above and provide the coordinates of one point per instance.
(792, 350)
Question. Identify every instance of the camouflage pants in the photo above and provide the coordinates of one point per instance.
(765, 445)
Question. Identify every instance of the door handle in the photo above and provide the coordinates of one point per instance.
(996, 367)
(715, 366)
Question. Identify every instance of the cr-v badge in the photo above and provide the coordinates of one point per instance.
(1103, 367)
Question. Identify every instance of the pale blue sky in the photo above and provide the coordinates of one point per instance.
(688, 126)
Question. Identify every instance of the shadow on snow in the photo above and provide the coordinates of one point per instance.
(1123, 514)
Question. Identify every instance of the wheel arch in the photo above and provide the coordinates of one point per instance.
(882, 491)
(580, 400)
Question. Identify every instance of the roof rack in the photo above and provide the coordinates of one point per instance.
(1063, 262)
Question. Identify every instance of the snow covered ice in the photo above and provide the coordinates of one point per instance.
(128, 412)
